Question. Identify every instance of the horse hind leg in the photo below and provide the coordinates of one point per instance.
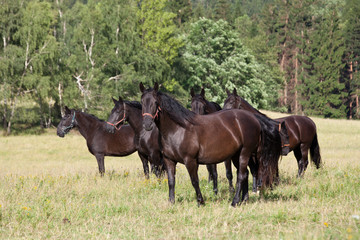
(229, 175)
(242, 179)
(301, 154)
(213, 176)
(254, 172)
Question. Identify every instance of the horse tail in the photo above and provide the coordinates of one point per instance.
(270, 150)
(315, 152)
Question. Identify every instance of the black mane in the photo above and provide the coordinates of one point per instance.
(175, 110)
(217, 106)
(134, 104)
(89, 115)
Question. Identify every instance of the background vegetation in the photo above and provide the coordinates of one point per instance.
(298, 56)
(50, 189)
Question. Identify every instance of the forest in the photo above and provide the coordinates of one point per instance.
(293, 56)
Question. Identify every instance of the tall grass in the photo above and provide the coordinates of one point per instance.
(50, 189)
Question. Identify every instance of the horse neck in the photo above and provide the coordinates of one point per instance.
(166, 125)
(86, 124)
(246, 106)
(134, 118)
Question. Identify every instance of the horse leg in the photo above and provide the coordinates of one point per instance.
(213, 176)
(101, 165)
(192, 167)
(156, 165)
(229, 175)
(144, 161)
(254, 171)
(302, 159)
(171, 171)
(242, 178)
(304, 156)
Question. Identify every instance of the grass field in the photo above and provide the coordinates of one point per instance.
(50, 189)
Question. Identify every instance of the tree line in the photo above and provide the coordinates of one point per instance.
(299, 56)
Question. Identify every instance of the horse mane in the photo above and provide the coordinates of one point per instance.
(217, 106)
(248, 107)
(89, 115)
(175, 110)
(134, 104)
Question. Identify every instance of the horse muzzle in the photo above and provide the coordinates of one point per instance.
(110, 128)
(148, 124)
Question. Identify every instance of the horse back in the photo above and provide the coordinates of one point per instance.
(223, 133)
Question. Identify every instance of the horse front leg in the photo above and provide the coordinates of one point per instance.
(171, 171)
(144, 161)
(192, 167)
(101, 165)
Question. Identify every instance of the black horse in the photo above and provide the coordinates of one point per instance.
(99, 142)
(194, 139)
(201, 106)
(147, 143)
(301, 131)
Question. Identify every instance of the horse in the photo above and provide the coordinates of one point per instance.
(194, 139)
(200, 105)
(147, 143)
(100, 143)
(301, 131)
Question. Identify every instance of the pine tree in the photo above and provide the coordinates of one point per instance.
(352, 40)
(322, 86)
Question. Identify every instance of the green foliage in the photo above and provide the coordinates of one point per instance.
(216, 59)
(157, 29)
(322, 86)
(82, 53)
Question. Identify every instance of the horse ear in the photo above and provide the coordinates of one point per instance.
(67, 110)
(156, 87)
(114, 100)
(142, 88)
(202, 93)
(120, 99)
(192, 93)
(228, 92)
(235, 93)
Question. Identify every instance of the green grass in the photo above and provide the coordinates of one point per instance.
(50, 189)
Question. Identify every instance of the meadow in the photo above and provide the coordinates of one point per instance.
(50, 189)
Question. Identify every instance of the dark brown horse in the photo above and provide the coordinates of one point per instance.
(147, 142)
(99, 142)
(194, 139)
(301, 131)
(201, 106)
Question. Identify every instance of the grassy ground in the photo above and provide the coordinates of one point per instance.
(49, 188)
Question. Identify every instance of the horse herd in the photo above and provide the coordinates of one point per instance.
(163, 132)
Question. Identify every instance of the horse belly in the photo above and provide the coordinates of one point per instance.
(215, 150)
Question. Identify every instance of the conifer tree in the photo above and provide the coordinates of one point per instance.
(322, 87)
(352, 40)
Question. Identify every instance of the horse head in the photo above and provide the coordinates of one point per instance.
(198, 102)
(67, 122)
(150, 105)
(233, 101)
(117, 116)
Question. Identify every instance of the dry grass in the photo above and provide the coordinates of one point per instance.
(50, 189)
